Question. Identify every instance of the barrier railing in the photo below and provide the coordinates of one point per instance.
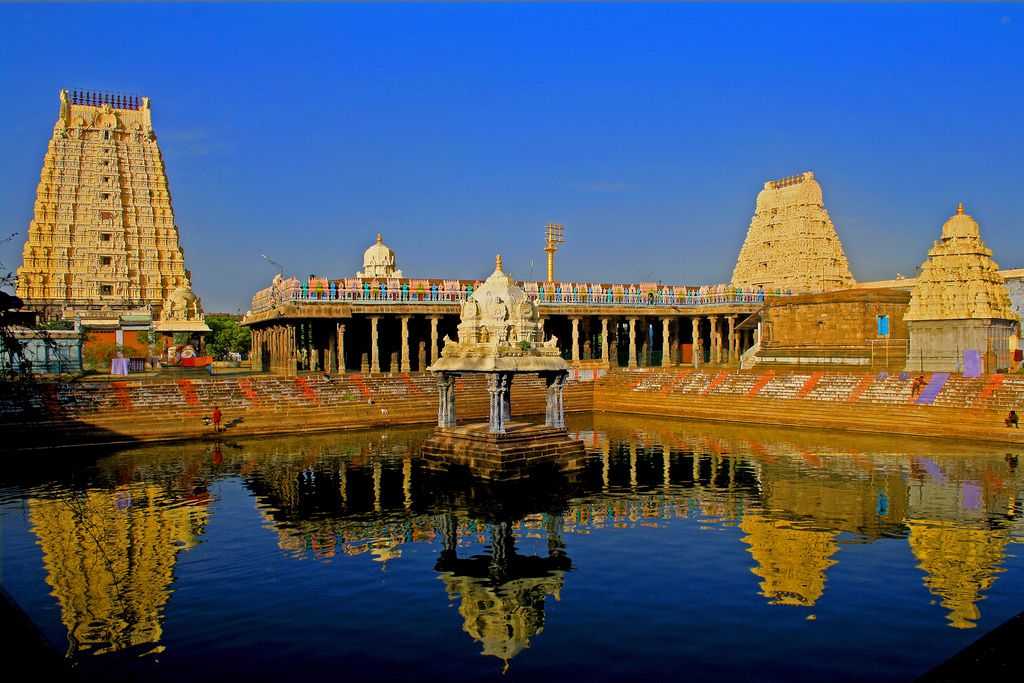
(384, 294)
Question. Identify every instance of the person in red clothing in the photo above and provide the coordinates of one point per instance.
(215, 417)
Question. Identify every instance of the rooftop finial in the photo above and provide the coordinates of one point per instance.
(960, 209)
(379, 238)
(497, 263)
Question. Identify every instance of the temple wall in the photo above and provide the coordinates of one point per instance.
(816, 321)
(939, 345)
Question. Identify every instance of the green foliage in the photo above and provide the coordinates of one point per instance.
(146, 337)
(182, 338)
(57, 325)
(226, 336)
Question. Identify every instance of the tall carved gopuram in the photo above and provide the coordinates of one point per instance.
(959, 303)
(103, 234)
(791, 243)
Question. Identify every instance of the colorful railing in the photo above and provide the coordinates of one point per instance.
(377, 294)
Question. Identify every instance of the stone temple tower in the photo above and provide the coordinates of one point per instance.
(791, 242)
(103, 235)
(959, 303)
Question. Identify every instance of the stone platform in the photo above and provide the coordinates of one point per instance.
(502, 457)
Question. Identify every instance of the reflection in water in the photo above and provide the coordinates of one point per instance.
(790, 561)
(798, 499)
(501, 594)
(109, 558)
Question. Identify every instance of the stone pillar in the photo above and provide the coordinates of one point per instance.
(421, 356)
(542, 321)
(405, 344)
(496, 386)
(292, 348)
(434, 353)
(695, 346)
(604, 340)
(666, 347)
(374, 351)
(506, 406)
(733, 346)
(555, 410)
(632, 343)
(716, 349)
(575, 340)
(341, 348)
(445, 400)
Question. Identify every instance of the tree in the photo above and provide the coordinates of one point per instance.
(226, 336)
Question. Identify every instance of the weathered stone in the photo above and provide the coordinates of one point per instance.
(103, 232)
(791, 243)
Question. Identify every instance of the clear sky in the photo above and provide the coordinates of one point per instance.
(459, 131)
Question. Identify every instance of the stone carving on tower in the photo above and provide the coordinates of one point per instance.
(379, 261)
(959, 279)
(791, 243)
(959, 305)
(103, 231)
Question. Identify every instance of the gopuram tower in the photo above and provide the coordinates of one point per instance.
(103, 235)
(791, 243)
(960, 306)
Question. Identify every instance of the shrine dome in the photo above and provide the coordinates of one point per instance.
(379, 261)
(961, 224)
(499, 287)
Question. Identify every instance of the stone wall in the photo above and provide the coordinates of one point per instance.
(845, 318)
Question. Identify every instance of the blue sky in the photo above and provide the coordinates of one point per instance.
(459, 131)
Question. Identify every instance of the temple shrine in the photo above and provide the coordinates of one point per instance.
(499, 336)
(960, 305)
(103, 247)
(791, 243)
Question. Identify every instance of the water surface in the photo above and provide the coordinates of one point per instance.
(683, 551)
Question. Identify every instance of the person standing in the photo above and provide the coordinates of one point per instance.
(215, 418)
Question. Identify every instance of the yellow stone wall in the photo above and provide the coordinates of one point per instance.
(791, 242)
(103, 229)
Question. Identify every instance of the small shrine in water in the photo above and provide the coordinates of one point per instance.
(500, 336)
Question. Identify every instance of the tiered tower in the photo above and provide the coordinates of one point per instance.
(791, 243)
(960, 304)
(103, 232)
(959, 280)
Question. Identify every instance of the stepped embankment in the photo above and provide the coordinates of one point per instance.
(945, 406)
(59, 414)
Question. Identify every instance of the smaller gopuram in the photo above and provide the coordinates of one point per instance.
(791, 244)
(960, 317)
(500, 335)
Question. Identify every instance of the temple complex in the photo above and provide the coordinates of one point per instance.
(103, 247)
(382, 322)
(791, 243)
(960, 305)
